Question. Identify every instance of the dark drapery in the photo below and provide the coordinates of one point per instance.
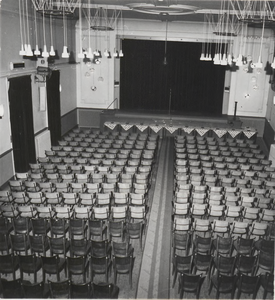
(53, 103)
(21, 118)
(196, 86)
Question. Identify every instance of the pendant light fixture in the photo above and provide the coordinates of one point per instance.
(36, 51)
(165, 44)
(65, 53)
(52, 52)
(80, 54)
(29, 48)
(22, 51)
(45, 53)
(90, 53)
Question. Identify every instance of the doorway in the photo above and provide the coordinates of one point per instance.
(21, 118)
(53, 103)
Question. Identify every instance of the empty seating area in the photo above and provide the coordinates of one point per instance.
(223, 219)
(79, 210)
(76, 224)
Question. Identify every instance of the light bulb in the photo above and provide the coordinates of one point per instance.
(273, 64)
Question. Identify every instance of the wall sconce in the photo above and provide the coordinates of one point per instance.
(2, 111)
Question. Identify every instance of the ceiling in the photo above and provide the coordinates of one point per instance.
(160, 7)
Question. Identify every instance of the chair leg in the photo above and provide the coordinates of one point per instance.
(115, 276)
(210, 288)
(130, 279)
(175, 278)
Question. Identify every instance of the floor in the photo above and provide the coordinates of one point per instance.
(152, 278)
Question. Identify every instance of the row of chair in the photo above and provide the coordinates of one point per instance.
(78, 236)
(220, 169)
(64, 289)
(83, 182)
(93, 195)
(206, 227)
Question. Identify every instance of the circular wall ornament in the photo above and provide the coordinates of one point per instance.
(173, 10)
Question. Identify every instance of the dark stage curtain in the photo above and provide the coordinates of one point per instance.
(21, 118)
(53, 103)
(196, 86)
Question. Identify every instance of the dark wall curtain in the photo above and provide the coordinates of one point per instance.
(196, 86)
(53, 103)
(21, 118)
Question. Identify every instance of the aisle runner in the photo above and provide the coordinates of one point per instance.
(154, 281)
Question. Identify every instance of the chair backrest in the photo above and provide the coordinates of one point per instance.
(183, 264)
(60, 289)
(11, 288)
(81, 290)
(105, 291)
(121, 249)
(226, 264)
(246, 263)
(202, 244)
(244, 245)
(248, 284)
(34, 290)
(190, 283)
(58, 245)
(181, 241)
(224, 245)
(19, 243)
(100, 248)
(135, 229)
(40, 226)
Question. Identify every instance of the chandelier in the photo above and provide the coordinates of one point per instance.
(231, 24)
(254, 12)
(56, 8)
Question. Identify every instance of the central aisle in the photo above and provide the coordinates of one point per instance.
(154, 280)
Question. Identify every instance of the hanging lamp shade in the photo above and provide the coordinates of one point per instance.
(65, 53)
(202, 56)
(259, 64)
(22, 51)
(36, 51)
(45, 53)
(120, 54)
(29, 50)
(52, 52)
(90, 53)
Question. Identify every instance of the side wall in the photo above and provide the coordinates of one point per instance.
(9, 52)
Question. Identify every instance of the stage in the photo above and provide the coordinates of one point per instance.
(171, 124)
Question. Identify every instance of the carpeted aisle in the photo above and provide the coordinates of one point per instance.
(154, 280)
